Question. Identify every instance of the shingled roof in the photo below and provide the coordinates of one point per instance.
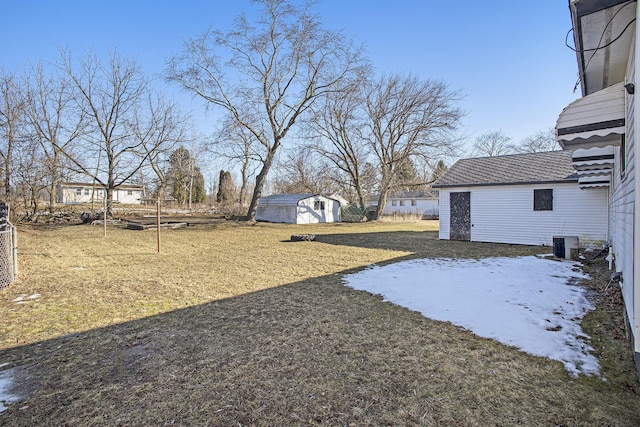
(530, 168)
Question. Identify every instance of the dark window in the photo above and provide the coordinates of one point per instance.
(543, 200)
(318, 205)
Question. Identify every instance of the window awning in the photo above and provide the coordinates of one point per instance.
(593, 120)
(594, 166)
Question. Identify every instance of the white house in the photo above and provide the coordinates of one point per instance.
(80, 192)
(522, 199)
(298, 209)
(421, 203)
(600, 129)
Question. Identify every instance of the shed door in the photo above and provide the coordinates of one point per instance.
(460, 218)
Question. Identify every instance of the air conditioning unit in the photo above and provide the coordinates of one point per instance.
(564, 246)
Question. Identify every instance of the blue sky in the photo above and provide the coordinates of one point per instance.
(508, 58)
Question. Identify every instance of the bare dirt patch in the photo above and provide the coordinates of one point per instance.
(233, 325)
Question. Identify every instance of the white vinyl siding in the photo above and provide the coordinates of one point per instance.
(445, 214)
(622, 209)
(298, 209)
(317, 209)
(504, 214)
(71, 194)
(425, 207)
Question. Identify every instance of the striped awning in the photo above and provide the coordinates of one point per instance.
(594, 166)
(594, 120)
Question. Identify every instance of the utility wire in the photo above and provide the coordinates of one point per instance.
(598, 47)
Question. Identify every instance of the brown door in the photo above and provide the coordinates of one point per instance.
(460, 219)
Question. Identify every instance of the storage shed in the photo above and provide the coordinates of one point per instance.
(522, 199)
(298, 209)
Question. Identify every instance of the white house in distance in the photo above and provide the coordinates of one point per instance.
(522, 199)
(423, 203)
(80, 192)
(298, 209)
(600, 129)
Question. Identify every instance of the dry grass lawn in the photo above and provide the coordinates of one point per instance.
(234, 325)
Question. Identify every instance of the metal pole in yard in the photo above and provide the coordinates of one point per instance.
(158, 220)
(14, 250)
(105, 213)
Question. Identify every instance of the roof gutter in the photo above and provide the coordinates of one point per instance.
(496, 184)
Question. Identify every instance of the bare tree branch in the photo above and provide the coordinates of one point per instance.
(267, 74)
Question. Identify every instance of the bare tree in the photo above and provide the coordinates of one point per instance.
(53, 122)
(266, 74)
(108, 95)
(12, 109)
(304, 171)
(494, 143)
(408, 117)
(239, 146)
(159, 127)
(32, 174)
(543, 140)
(337, 123)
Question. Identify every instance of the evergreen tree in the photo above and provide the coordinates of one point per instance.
(184, 177)
(226, 189)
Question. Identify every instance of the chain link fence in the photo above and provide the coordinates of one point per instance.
(355, 214)
(8, 254)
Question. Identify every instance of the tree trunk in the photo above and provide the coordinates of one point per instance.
(34, 200)
(52, 197)
(160, 192)
(261, 178)
(382, 202)
(53, 187)
(7, 169)
(109, 193)
(190, 191)
(384, 192)
(359, 194)
(243, 187)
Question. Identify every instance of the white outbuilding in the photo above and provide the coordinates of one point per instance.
(523, 199)
(298, 209)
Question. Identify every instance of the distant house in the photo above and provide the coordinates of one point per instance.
(522, 199)
(298, 209)
(80, 192)
(600, 129)
(424, 203)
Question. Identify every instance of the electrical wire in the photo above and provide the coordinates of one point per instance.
(598, 47)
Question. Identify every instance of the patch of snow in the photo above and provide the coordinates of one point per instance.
(6, 382)
(525, 302)
(545, 255)
(20, 297)
(23, 298)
